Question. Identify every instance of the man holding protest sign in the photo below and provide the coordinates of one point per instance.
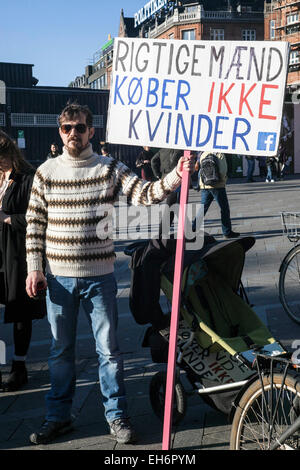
(209, 96)
(70, 225)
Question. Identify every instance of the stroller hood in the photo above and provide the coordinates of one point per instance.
(227, 258)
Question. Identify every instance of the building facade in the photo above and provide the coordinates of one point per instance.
(282, 23)
(29, 113)
(189, 19)
(205, 20)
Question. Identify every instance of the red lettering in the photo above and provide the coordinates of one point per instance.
(264, 102)
(217, 368)
(222, 97)
(223, 376)
(243, 99)
(211, 97)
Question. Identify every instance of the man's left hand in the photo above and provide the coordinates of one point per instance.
(187, 164)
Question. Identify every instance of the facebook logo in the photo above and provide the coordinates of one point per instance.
(266, 141)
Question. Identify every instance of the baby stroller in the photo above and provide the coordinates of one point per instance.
(219, 334)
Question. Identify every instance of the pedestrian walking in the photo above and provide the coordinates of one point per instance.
(73, 197)
(282, 158)
(250, 168)
(16, 176)
(213, 176)
(53, 151)
(271, 169)
(262, 167)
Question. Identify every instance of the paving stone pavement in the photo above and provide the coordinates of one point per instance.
(255, 210)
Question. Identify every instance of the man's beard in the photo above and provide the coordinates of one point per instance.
(75, 151)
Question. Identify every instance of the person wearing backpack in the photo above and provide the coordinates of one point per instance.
(212, 180)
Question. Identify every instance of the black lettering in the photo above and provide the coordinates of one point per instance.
(181, 72)
(171, 59)
(198, 366)
(195, 61)
(121, 58)
(274, 49)
(160, 45)
(237, 64)
(146, 62)
(228, 365)
(215, 56)
(253, 59)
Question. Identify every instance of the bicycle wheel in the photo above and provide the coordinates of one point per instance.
(289, 284)
(261, 417)
(157, 397)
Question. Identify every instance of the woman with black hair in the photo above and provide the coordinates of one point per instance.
(16, 176)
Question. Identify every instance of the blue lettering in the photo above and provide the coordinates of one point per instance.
(180, 121)
(241, 135)
(165, 94)
(132, 124)
(152, 92)
(117, 89)
(209, 130)
(181, 95)
(152, 134)
(137, 90)
(217, 132)
(169, 127)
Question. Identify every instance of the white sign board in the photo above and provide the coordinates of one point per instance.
(222, 96)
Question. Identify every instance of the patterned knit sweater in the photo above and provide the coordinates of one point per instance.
(65, 209)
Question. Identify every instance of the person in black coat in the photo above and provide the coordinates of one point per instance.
(16, 177)
(54, 152)
(162, 163)
(144, 163)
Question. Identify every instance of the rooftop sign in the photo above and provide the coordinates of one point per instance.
(148, 10)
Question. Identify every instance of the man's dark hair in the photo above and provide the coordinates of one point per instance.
(72, 110)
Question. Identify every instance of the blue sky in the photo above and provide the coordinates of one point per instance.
(59, 37)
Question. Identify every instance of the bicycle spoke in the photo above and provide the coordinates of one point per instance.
(257, 432)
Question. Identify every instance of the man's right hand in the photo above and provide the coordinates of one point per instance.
(33, 278)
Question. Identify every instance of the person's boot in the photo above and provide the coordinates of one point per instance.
(16, 378)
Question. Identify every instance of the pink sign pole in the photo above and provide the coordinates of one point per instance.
(171, 371)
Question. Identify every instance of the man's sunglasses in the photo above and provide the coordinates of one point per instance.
(66, 128)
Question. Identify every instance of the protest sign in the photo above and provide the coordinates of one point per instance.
(223, 96)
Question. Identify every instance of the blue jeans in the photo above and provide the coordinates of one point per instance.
(97, 296)
(250, 170)
(220, 195)
(270, 173)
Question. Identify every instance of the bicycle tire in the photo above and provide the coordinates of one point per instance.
(250, 426)
(157, 391)
(289, 284)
